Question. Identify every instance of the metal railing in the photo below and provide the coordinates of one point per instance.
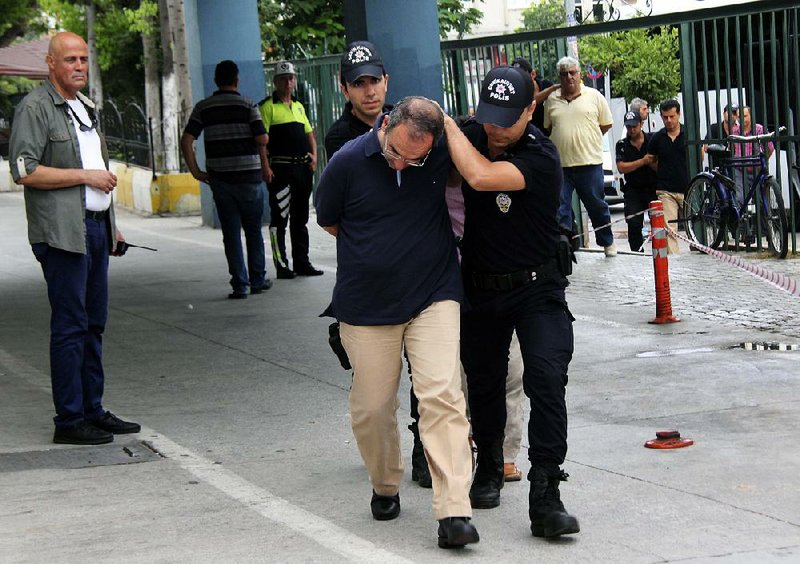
(128, 134)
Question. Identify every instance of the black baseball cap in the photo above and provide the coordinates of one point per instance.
(632, 118)
(505, 92)
(361, 58)
(522, 63)
(733, 107)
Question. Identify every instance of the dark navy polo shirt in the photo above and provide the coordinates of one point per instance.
(395, 248)
(516, 230)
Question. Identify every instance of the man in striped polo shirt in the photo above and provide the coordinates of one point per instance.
(236, 158)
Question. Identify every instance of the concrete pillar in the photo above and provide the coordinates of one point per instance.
(216, 31)
(407, 34)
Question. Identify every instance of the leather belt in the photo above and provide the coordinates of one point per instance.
(512, 280)
(280, 159)
(96, 215)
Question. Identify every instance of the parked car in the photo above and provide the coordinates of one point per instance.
(611, 183)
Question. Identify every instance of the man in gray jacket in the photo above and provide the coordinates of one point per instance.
(60, 157)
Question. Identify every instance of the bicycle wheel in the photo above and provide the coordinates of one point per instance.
(703, 212)
(773, 217)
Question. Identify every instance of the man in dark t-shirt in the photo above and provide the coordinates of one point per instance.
(668, 145)
(236, 158)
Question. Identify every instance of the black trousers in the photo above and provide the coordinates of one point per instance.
(637, 200)
(544, 328)
(289, 195)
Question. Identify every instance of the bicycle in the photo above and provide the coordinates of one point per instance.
(710, 205)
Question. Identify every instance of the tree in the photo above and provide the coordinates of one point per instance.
(296, 30)
(544, 14)
(644, 62)
(16, 18)
(455, 16)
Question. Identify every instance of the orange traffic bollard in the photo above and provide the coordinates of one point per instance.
(661, 265)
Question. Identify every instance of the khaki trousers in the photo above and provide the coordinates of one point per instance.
(515, 415)
(432, 342)
(673, 203)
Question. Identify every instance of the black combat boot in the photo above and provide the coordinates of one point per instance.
(488, 481)
(419, 464)
(547, 513)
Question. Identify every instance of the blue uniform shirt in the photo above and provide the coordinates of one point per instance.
(395, 248)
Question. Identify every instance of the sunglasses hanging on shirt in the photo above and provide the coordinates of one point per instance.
(81, 125)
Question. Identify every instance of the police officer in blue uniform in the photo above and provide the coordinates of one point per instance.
(515, 264)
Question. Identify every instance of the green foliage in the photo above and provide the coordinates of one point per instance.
(644, 63)
(310, 28)
(117, 37)
(16, 18)
(544, 14)
(293, 30)
(12, 89)
(455, 16)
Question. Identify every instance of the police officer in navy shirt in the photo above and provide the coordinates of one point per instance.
(640, 176)
(514, 263)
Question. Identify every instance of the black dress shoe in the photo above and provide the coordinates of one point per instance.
(455, 532)
(284, 273)
(260, 289)
(237, 296)
(385, 507)
(81, 434)
(113, 424)
(308, 270)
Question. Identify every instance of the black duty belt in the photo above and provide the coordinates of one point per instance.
(97, 215)
(512, 280)
(280, 159)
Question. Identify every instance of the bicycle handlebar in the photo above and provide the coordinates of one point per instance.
(762, 137)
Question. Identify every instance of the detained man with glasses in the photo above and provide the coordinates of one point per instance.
(398, 285)
(60, 157)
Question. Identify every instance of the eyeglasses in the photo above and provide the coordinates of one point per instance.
(81, 125)
(568, 73)
(389, 154)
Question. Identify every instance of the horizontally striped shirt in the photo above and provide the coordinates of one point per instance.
(230, 123)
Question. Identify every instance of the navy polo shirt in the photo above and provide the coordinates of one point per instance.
(395, 248)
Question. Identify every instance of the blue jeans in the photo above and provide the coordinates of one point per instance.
(77, 287)
(241, 206)
(588, 182)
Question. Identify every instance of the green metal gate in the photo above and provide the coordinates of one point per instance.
(750, 52)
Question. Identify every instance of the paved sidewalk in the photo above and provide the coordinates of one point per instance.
(247, 455)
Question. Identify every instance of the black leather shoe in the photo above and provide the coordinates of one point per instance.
(455, 532)
(260, 289)
(308, 270)
(284, 273)
(113, 424)
(385, 507)
(237, 296)
(81, 434)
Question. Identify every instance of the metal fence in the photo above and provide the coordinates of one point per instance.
(128, 133)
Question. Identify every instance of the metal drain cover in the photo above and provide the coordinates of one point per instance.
(766, 346)
(112, 454)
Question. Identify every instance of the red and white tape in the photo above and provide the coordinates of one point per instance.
(780, 281)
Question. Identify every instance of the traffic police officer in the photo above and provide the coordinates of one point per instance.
(515, 263)
(293, 159)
